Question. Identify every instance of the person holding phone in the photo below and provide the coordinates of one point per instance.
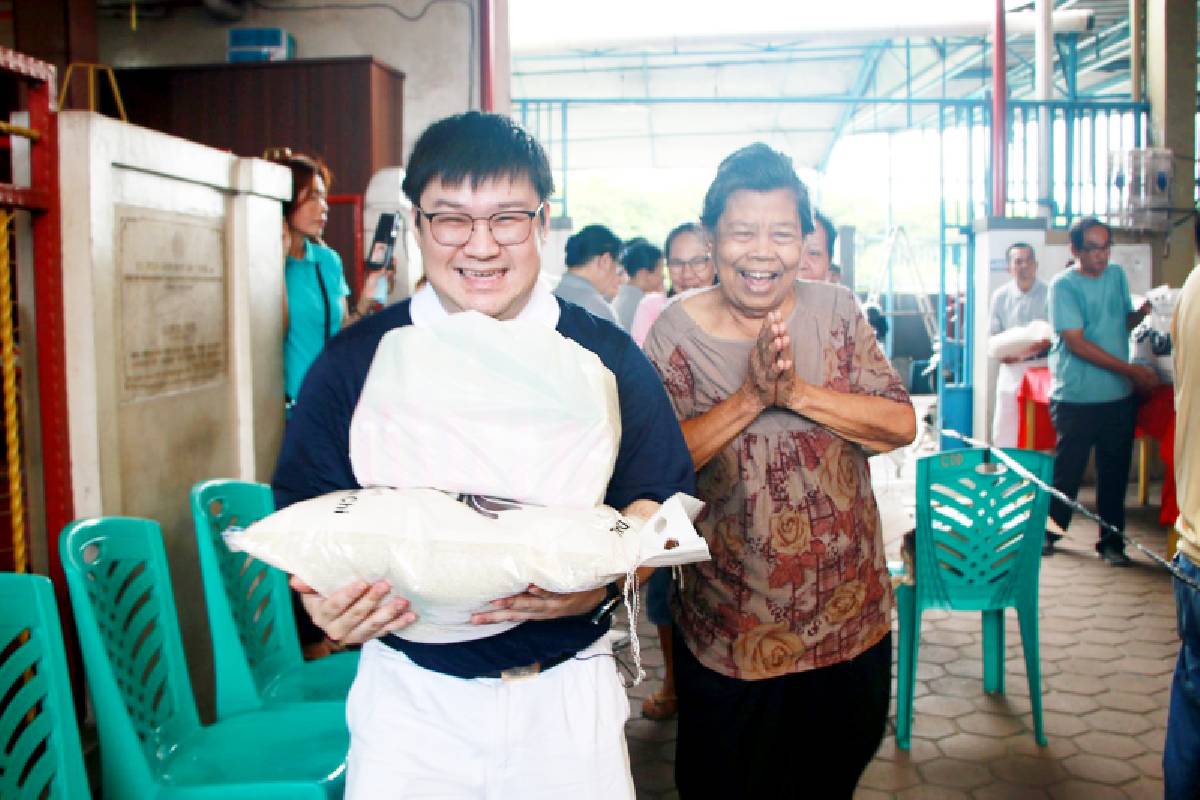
(315, 300)
(381, 259)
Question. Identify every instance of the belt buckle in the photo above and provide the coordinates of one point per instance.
(520, 673)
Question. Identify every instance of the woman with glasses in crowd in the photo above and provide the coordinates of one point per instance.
(783, 640)
(688, 266)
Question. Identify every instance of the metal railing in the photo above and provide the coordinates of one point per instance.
(1082, 135)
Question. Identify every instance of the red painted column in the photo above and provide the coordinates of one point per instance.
(999, 114)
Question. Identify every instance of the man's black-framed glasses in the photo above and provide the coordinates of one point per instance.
(454, 229)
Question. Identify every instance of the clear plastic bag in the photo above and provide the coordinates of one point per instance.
(478, 406)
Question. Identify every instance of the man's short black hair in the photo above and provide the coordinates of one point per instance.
(757, 168)
(639, 255)
(477, 147)
(1082, 227)
(1008, 251)
(590, 242)
(830, 231)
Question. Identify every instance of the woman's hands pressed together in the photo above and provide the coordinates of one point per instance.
(772, 374)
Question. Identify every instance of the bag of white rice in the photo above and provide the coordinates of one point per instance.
(1018, 342)
(475, 405)
(450, 559)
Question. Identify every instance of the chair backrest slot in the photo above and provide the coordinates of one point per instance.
(976, 524)
(249, 602)
(40, 754)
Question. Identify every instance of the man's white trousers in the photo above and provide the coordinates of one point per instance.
(420, 734)
(1006, 420)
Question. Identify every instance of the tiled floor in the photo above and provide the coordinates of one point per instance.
(1108, 649)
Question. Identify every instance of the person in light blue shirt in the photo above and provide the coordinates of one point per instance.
(1092, 401)
(316, 292)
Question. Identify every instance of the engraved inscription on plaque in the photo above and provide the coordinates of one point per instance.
(173, 302)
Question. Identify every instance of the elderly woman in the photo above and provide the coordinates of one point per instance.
(783, 644)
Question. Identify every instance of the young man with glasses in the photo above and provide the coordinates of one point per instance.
(538, 710)
(1092, 400)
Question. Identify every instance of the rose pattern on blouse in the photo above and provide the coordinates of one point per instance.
(767, 651)
(798, 578)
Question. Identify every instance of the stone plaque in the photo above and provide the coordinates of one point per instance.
(171, 268)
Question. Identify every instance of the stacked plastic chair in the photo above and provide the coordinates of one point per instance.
(40, 756)
(980, 528)
(255, 647)
(152, 744)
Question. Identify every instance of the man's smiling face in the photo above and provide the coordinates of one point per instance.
(483, 275)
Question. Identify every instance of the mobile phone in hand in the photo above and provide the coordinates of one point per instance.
(379, 256)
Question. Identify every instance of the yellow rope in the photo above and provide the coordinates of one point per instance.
(20, 130)
(12, 422)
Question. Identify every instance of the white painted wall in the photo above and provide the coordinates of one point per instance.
(437, 50)
(197, 272)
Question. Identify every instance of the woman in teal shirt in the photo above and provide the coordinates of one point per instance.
(315, 301)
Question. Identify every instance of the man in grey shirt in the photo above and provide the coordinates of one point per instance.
(593, 274)
(1016, 304)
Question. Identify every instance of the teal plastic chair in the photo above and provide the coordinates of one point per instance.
(40, 756)
(980, 528)
(152, 744)
(255, 647)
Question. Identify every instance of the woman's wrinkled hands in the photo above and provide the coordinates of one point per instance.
(772, 374)
(355, 613)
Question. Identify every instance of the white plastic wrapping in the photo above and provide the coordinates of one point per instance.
(1150, 342)
(1017, 342)
(450, 560)
(474, 405)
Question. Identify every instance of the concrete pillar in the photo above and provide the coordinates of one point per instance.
(173, 316)
(502, 59)
(1171, 90)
